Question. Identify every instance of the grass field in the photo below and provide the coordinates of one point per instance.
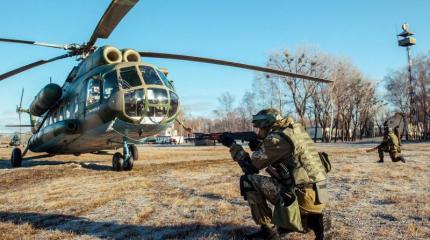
(193, 193)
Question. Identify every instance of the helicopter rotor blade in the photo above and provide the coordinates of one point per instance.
(32, 65)
(231, 64)
(14, 126)
(33, 43)
(110, 19)
(22, 95)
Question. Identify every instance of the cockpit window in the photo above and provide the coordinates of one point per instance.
(174, 103)
(93, 91)
(157, 95)
(157, 112)
(166, 81)
(134, 103)
(110, 83)
(149, 75)
(129, 77)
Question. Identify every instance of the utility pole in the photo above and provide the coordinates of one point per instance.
(405, 39)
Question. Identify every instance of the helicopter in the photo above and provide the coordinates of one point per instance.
(109, 100)
(15, 140)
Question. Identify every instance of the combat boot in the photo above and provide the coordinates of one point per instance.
(265, 232)
(282, 232)
(316, 223)
(401, 158)
(380, 161)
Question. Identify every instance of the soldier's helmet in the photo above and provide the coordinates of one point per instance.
(387, 129)
(266, 118)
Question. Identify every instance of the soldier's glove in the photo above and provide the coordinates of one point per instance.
(247, 166)
(253, 144)
(226, 139)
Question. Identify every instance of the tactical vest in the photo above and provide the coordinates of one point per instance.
(304, 163)
(394, 141)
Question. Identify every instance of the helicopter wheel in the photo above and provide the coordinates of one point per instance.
(134, 152)
(16, 158)
(117, 162)
(128, 165)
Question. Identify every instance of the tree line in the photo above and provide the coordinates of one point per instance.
(348, 109)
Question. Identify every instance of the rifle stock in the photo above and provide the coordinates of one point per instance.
(372, 149)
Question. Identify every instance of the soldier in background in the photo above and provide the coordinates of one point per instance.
(297, 183)
(391, 144)
(397, 132)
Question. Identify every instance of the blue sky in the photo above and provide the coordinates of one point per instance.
(241, 30)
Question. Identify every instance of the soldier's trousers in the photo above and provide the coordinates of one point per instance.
(393, 155)
(257, 190)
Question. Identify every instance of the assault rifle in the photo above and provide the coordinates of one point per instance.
(242, 136)
(372, 149)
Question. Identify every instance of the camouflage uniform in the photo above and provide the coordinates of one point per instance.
(390, 144)
(289, 150)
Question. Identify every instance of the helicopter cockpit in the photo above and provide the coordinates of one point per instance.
(149, 96)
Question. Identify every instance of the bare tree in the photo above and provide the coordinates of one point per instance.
(350, 106)
(421, 74)
(397, 85)
(246, 109)
(225, 111)
(305, 61)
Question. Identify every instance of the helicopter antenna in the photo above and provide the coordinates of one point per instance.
(50, 79)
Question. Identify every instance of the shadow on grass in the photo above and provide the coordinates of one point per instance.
(27, 163)
(212, 196)
(113, 230)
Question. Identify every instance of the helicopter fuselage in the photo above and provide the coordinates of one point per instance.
(101, 107)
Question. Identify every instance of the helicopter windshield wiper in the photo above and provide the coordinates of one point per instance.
(124, 83)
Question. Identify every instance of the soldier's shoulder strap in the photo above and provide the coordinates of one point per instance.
(283, 133)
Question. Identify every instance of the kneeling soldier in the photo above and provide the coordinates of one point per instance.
(390, 144)
(297, 186)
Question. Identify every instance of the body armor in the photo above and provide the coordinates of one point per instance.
(304, 163)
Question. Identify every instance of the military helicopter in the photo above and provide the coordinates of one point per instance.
(15, 140)
(109, 99)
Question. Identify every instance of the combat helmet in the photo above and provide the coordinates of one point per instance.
(266, 118)
(386, 127)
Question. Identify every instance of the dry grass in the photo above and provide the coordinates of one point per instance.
(192, 192)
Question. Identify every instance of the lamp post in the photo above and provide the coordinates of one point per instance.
(405, 39)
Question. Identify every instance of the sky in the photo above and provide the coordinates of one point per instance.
(246, 31)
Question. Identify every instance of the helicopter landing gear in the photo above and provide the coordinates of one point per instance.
(123, 161)
(16, 158)
(117, 162)
(133, 151)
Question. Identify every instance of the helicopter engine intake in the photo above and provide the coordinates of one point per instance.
(109, 55)
(130, 55)
(103, 55)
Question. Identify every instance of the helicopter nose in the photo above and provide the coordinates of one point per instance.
(162, 102)
(153, 103)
